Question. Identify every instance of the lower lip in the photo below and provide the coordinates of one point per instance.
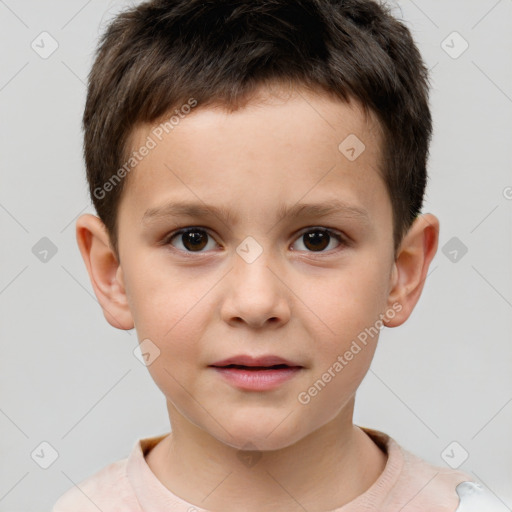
(258, 380)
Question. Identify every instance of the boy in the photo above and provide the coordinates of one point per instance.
(258, 168)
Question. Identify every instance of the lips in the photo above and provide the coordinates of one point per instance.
(247, 362)
(256, 374)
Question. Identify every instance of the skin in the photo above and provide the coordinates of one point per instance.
(295, 301)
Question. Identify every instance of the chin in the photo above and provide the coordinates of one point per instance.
(264, 436)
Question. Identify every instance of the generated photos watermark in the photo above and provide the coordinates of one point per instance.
(137, 156)
(304, 397)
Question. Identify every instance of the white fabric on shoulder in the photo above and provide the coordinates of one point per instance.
(474, 498)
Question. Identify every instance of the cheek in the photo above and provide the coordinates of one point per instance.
(347, 303)
(334, 383)
(345, 329)
(164, 302)
(168, 310)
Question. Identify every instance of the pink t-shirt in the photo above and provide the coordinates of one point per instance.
(408, 484)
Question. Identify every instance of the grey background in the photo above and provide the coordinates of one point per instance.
(68, 378)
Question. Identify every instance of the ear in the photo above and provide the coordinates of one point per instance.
(104, 270)
(410, 268)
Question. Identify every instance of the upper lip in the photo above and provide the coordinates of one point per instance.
(246, 360)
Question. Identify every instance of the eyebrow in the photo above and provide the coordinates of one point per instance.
(191, 209)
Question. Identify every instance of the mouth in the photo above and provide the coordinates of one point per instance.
(245, 361)
(255, 368)
(256, 377)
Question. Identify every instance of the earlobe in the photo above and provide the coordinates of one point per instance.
(415, 254)
(104, 271)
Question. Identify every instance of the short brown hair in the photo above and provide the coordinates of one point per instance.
(159, 54)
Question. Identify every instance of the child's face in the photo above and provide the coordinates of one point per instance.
(201, 299)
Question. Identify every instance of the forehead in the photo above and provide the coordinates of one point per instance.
(280, 147)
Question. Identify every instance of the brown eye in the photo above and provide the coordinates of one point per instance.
(192, 239)
(317, 239)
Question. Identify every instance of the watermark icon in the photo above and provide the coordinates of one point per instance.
(507, 193)
(151, 142)
(249, 455)
(44, 455)
(454, 45)
(454, 249)
(454, 455)
(44, 45)
(351, 147)
(44, 250)
(249, 249)
(147, 352)
(304, 397)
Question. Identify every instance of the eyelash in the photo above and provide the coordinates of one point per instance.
(335, 234)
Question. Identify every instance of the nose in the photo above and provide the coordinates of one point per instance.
(255, 294)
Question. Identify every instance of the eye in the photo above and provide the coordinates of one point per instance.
(195, 239)
(191, 239)
(317, 239)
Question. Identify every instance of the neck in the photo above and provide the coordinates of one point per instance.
(323, 471)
